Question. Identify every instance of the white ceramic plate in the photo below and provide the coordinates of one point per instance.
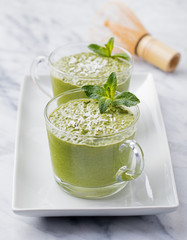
(35, 192)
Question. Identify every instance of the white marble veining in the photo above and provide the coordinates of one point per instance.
(33, 27)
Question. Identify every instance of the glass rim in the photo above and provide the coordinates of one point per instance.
(88, 136)
(86, 44)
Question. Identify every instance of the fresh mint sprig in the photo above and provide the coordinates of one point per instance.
(107, 50)
(106, 95)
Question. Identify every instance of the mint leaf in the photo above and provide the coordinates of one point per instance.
(95, 92)
(102, 51)
(111, 85)
(121, 55)
(125, 98)
(106, 95)
(107, 50)
(104, 103)
(109, 45)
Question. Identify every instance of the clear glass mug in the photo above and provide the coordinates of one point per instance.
(93, 166)
(62, 81)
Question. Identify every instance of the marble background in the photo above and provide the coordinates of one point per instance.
(33, 27)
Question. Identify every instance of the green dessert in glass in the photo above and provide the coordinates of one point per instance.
(78, 69)
(91, 146)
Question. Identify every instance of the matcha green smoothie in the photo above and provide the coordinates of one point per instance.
(91, 138)
(74, 65)
(80, 155)
(88, 68)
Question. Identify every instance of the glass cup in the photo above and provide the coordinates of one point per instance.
(93, 166)
(62, 81)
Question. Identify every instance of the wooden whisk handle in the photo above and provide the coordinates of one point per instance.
(157, 53)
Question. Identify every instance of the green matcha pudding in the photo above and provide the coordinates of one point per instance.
(80, 69)
(84, 145)
(91, 138)
(74, 65)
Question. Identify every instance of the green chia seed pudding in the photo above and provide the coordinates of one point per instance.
(88, 68)
(83, 118)
(80, 155)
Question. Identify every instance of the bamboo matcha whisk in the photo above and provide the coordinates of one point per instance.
(118, 20)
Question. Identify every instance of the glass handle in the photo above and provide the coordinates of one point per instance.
(34, 73)
(126, 174)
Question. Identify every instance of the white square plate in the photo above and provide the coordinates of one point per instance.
(35, 192)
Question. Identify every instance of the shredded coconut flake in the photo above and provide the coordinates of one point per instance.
(84, 65)
(82, 117)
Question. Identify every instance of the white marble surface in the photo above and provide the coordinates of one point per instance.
(33, 27)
